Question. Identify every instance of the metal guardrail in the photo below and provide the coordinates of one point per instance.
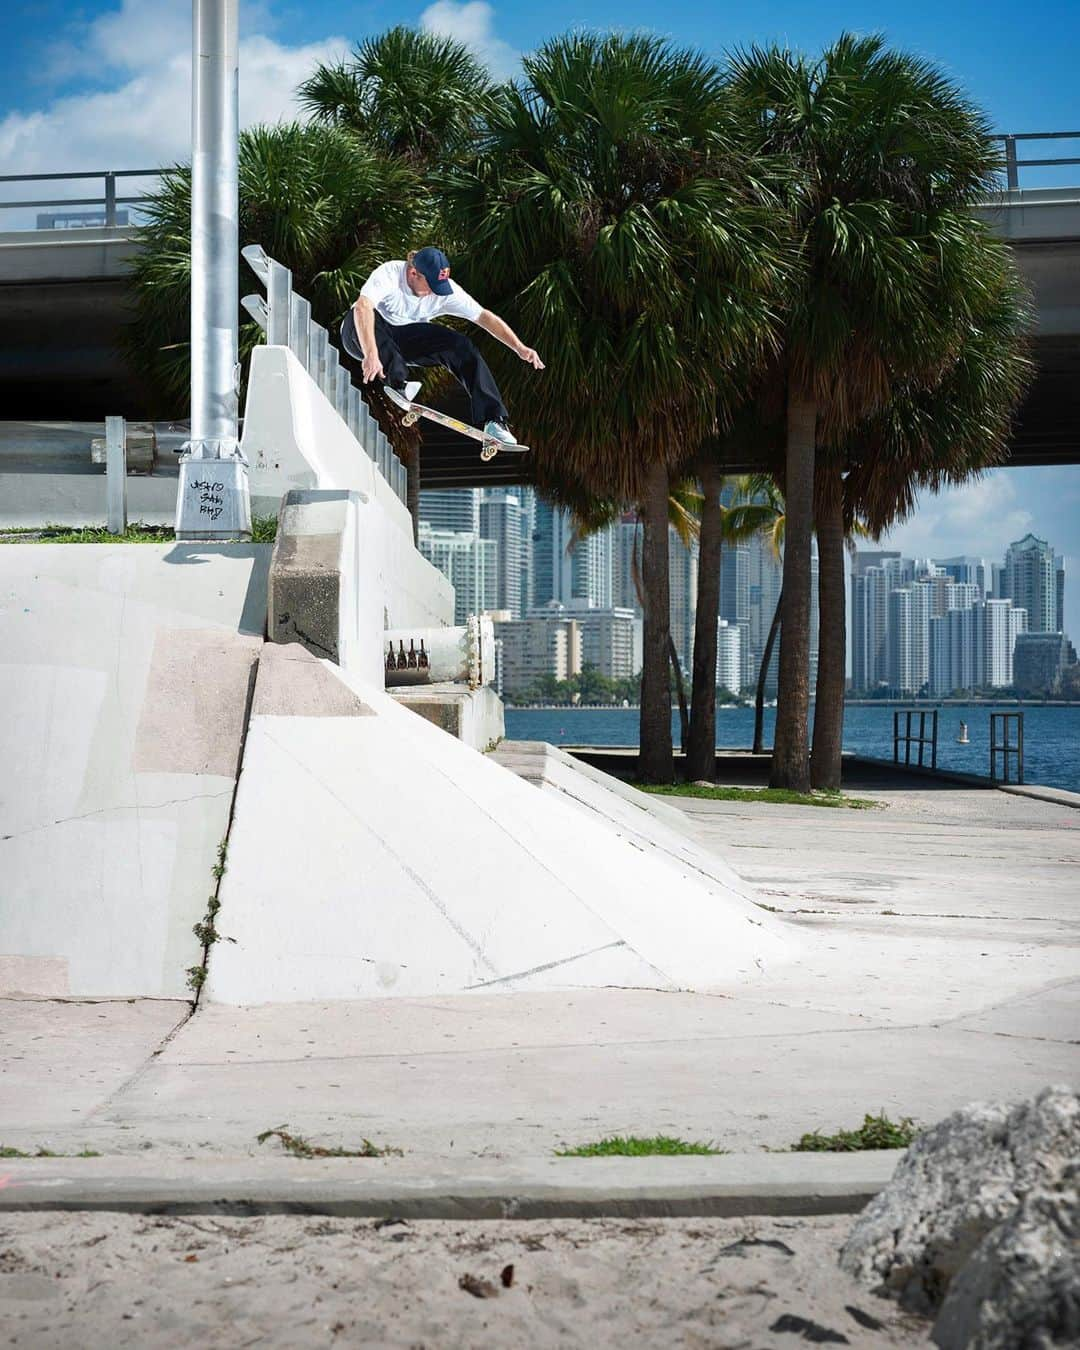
(285, 318)
(908, 738)
(108, 202)
(1013, 165)
(1006, 747)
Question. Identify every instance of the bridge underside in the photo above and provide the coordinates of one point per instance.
(1047, 430)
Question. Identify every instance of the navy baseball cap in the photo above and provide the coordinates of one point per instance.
(434, 266)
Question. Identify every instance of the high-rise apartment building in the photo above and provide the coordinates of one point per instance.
(735, 601)
(729, 658)
(566, 567)
(500, 521)
(765, 576)
(998, 623)
(683, 581)
(468, 562)
(451, 509)
(909, 637)
(607, 639)
(546, 642)
(1030, 579)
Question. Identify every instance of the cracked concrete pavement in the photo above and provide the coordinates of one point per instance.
(941, 967)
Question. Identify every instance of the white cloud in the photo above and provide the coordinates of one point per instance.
(472, 23)
(140, 33)
(145, 119)
(979, 518)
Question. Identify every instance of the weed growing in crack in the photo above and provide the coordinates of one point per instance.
(300, 1147)
(875, 1132)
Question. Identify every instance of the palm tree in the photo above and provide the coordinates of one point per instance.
(317, 200)
(608, 219)
(413, 95)
(879, 158)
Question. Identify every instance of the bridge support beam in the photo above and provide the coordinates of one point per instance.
(213, 500)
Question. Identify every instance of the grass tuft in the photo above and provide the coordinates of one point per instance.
(875, 1132)
(300, 1147)
(637, 1146)
(6, 1151)
(263, 531)
(777, 796)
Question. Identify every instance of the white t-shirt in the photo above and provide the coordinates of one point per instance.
(389, 292)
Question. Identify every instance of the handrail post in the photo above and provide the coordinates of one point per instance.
(115, 475)
(110, 199)
(1012, 171)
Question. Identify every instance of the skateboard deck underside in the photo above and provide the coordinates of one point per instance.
(490, 445)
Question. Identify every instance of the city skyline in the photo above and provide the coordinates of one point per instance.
(516, 554)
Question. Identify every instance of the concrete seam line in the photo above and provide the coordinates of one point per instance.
(208, 924)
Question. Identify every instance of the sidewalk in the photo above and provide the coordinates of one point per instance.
(941, 966)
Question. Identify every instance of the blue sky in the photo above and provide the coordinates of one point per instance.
(105, 84)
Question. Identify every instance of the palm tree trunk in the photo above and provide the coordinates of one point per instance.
(825, 760)
(656, 762)
(763, 672)
(701, 744)
(680, 693)
(791, 748)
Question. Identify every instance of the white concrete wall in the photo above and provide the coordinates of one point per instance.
(372, 854)
(124, 677)
(294, 438)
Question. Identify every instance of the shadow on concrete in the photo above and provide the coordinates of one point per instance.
(253, 615)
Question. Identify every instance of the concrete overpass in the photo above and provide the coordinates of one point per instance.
(64, 306)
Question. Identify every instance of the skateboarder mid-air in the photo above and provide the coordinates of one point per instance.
(389, 329)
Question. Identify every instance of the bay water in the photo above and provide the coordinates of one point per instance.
(1051, 734)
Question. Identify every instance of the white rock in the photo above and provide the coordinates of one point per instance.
(1021, 1286)
(957, 1182)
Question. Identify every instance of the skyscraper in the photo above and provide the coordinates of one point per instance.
(765, 576)
(451, 509)
(468, 562)
(998, 622)
(735, 601)
(566, 568)
(500, 521)
(909, 648)
(683, 580)
(1030, 580)
(729, 661)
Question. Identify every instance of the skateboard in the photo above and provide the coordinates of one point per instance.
(413, 412)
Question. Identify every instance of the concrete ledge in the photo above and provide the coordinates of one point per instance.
(726, 1186)
(474, 716)
(1059, 796)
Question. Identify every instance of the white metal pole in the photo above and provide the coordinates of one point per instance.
(213, 501)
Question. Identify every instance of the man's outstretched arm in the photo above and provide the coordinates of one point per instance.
(500, 329)
(363, 313)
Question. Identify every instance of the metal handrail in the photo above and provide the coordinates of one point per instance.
(110, 201)
(285, 318)
(1014, 165)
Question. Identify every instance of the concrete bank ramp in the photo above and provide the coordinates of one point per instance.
(647, 821)
(125, 673)
(372, 854)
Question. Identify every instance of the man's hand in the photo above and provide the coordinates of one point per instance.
(531, 357)
(373, 369)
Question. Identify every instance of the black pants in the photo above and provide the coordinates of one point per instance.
(430, 344)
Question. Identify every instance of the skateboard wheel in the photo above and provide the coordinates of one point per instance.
(410, 419)
(488, 453)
